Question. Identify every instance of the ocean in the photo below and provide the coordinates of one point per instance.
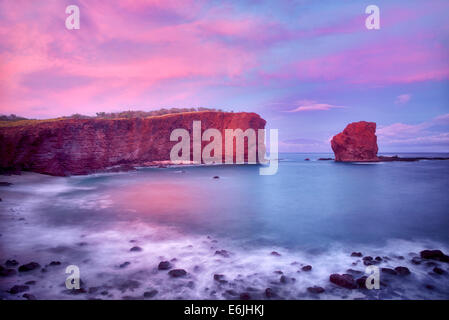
(239, 233)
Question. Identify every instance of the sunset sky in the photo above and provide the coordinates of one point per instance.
(307, 67)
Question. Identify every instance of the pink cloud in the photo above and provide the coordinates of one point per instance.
(400, 134)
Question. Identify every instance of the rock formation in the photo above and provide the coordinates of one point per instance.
(80, 146)
(357, 142)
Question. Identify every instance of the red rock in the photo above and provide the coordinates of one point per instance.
(434, 255)
(343, 280)
(82, 146)
(357, 142)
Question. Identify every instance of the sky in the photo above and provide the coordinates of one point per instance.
(307, 67)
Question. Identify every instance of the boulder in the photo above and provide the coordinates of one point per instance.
(177, 273)
(357, 142)
(29, 267)
(164, 265)
(434, 255)
(343, 280)
(315, 289)
(402, 271)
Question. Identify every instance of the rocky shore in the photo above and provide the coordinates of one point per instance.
(29, 280)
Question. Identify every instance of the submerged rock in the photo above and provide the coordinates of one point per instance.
(220, 278)
(343, 280)
(18, 289)
(306, 268)
(164, 265)
(438, 270)
(361, 282)
(135, 249)
(245, 296)
(275, 253)
(402, 271)
(269, 293)
(29, 296)
(315, 289)
(222, 253)
(11, 263)
(176, 273)
(356, 254)
(150, 294)
(388, 271)
(434, 255)
(124, 264)
(29, 267)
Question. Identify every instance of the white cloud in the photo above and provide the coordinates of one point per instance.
(424, 134)
(403, 98)
(308, 105)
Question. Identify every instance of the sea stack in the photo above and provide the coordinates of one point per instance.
(357, 142)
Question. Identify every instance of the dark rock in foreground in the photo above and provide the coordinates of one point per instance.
(29, 296)
(438, 270)
(356, 254)
(402, 271)
(269, 293)
(11, 263)
(222, 253)
(150, 294)
(135, 249)
(434, 255)
(361, 282)
(315, 289)
(245, 296)
(18, 289)
(389, 271)
(29, 267)
(176, 273)
(164, 265)
(306, 268)
(343, 280)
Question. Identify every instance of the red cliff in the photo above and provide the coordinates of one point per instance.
(357, 142)
(82, 146)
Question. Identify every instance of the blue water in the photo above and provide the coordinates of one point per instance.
(307, 203)
(314, 211)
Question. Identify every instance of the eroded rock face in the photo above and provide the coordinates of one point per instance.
(357, 142)
(82, 146)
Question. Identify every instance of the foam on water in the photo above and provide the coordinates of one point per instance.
(94, 221)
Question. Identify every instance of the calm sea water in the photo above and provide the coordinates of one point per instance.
(310, 212)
